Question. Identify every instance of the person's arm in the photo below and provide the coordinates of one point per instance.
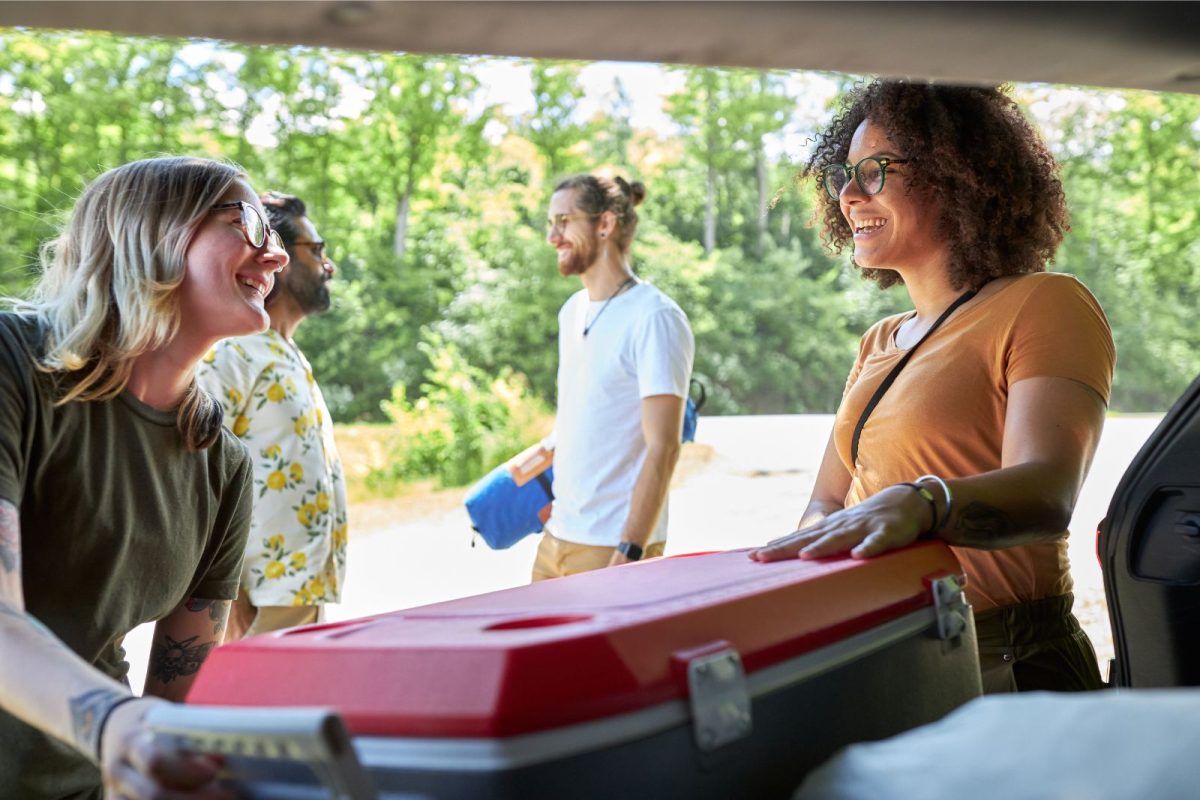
(662, 419)
(1052, 427)
(46, 685)
(182, 640)
(829, 489)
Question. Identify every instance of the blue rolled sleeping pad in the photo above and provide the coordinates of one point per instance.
(514, 500)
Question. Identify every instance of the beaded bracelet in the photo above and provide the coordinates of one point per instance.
(945, 490)
(928, 497)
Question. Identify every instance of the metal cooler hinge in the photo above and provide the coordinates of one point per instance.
(950, 604)
(719, 699)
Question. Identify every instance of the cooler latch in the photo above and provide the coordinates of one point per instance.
(719, 699)
(950, 604)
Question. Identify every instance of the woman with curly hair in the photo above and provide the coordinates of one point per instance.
(974, 417)
(123, 499)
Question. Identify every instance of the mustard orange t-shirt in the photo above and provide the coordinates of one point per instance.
(945, 412)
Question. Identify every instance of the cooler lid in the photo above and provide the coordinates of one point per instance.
(569, 650)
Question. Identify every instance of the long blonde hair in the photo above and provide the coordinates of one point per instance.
(107, 290)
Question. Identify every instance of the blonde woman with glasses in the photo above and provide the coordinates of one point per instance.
(122, 498)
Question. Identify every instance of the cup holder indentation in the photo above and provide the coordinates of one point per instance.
(538, 622)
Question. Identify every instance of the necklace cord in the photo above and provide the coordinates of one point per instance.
(631, 280)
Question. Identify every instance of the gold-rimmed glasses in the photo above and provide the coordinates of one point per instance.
(557, 223)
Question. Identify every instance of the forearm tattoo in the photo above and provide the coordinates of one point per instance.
(982, 525)
(10, 538)
(170, 659)
(88, 712)
(218, 612)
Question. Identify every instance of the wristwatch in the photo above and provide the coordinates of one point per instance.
(630, 550)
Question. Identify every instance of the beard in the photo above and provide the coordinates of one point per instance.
(309, 290)
(582, 255)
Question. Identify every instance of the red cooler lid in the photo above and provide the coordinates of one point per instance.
(568, 650)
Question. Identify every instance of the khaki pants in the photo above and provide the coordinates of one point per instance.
(556, 558)
(246, 619)
(1035, 646)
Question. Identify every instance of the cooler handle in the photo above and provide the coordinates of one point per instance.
(262, 748)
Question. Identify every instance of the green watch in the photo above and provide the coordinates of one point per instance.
(630, 550)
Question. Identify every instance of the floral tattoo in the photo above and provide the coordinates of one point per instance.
(218, 612)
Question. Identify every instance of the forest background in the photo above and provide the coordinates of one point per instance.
(433, 199)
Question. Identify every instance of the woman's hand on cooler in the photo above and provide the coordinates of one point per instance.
(136, 765)
(889, 520)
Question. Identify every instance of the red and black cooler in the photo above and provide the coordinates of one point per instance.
(696, 676)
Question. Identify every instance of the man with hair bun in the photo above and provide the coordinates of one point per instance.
(625, 360)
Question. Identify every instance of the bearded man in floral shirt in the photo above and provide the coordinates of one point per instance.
(296, 554)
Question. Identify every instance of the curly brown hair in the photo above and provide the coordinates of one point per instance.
(975, 156)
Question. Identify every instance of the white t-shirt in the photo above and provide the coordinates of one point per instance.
(640, 346)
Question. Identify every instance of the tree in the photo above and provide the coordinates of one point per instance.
(416, 107)
(553, 126)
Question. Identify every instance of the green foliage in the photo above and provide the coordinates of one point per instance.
(552, 127)
(508, 318)
(1129, 176)
(463, 424)
(434, 205)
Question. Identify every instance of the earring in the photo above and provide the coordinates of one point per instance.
(603, 235)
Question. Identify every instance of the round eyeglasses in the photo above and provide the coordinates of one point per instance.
(557, 223)
(869, 173)
(256, 229)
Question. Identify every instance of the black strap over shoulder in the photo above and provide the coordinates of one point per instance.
(891, 376)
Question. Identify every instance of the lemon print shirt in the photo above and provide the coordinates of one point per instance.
(296, 554)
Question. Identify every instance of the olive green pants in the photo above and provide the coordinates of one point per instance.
(1035, 646)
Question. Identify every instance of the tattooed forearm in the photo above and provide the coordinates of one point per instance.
(981, 525)
(88, 712)
(10, 538)
(170, 659)
(218, 612)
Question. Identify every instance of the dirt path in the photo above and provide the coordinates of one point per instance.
(744, 482)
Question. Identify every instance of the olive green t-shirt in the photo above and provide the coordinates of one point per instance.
(120, 523)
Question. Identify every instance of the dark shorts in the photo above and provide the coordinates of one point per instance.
(1035, 646)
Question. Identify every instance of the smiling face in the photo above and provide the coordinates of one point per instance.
(895, 229)
(576, 242)
(225, 279)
